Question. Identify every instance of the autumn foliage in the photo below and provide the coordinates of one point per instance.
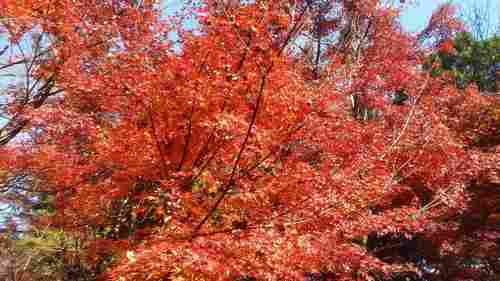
(258, 139)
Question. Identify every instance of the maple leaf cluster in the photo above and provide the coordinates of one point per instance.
(263, 142)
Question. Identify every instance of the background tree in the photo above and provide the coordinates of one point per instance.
(470, 61)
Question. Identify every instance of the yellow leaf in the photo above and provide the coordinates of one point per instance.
(213, 189)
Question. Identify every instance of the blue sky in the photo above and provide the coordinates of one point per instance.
(417, 15)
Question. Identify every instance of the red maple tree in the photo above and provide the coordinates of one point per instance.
(266, 141)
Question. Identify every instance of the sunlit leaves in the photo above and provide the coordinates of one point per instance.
(225, 158)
